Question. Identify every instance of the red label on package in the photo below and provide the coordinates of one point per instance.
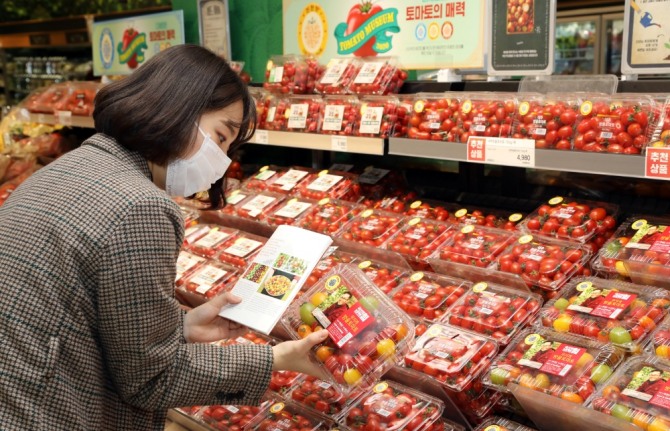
(662, 397)
(536, 253)
(657, 162)
(565, 212)
(476, 149)
(561, 360)
(349, 324)
(662, 243)
(613, 304)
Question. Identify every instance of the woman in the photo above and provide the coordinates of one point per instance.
(92, 337)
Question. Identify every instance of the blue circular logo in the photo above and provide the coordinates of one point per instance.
(420, 32)
(106, 48)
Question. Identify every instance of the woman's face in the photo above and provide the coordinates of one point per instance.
(219, 126)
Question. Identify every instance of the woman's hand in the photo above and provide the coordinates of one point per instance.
(294, 355)
(204, 325)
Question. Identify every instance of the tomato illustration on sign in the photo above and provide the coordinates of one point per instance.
(357, 16)
(128, 37)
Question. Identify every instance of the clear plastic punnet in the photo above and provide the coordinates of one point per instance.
(451, 356)
(549, 119)
(474, 245)
(381, 116)
(186, 264)
(615, 124)
(262, 99)
(287, 416)
(572, 219)
(496, 423)
(303, 113)
(487, 217)
(543, 263)
(339, 74)
(212, 240)
(79, 100)
(241, 249)
(228, 417)
(385, 276)
(290, 211)
(329, 215)
(208, 280)
(659, 341)
(46, 101)
(560, 365)
(379, 76)
(329, 184)
(278, 113)
(638, 392)
(495, 311)
(640, 249)
(661, 135)
(417, 239)
(261, 180)
(258, 206)
(392, 407)
(487, 114)
(368, 332)
(320, 395)
(427, 296)
(435, 116)
(340, 115)
(286, 74)
(331, 259)
(372, 227)
(475, 405)
(611, 311)
(234, 199)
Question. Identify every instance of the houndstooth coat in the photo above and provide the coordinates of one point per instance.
(91, 337)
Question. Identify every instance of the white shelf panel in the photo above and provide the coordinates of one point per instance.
(313, 141)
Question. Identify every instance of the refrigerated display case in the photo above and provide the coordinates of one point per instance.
(577, 46)
(612, 42)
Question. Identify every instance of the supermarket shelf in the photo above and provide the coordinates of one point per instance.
(75, 121)
(569, 161)
(312, 141)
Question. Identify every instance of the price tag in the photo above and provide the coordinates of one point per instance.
(261, 137)
(41, 118)
(656, 163)
(338, 143)
(502, 151)
(64, 117)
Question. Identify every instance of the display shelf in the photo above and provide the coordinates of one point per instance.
(569, 161)
(311, 141)
(75, 121)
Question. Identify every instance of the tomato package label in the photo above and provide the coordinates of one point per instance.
(650, 384)
(293, 209)
(371, 120)
(186, 262)
(488, 302)
(271, 114)
(368, 73)
(650, 237)
(324, 182)
(565, 212)
(243, 247)
(297, 116)
(332, 118)
(290, 179)
(607, 303)
(276, 74)
(475, 243)
(334, 71)
(265, 175)
(257, 204)
(236, 198)
(552, 357)
(537, 253)
(212, 239)
(372, 176)
(207, 277)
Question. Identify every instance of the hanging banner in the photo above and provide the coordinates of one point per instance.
(425, 34)
(122, 45)
(522, 37)
(646, 36)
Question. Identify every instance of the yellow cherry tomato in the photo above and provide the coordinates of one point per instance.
(658, 425)
(386, 347)
(304, 330)
(663, 351)
(318, 298)
(351, 376)
(562, 324)
(584, 360)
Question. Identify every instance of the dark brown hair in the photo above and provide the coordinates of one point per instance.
(154, 110)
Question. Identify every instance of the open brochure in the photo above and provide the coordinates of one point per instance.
(275, 277)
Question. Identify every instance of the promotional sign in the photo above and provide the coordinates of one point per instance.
(522, 37)
(646, 35)
(501, 151)
(215, 26)
(425, 34)
(122, 45)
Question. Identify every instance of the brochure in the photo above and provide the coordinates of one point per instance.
(275, 277)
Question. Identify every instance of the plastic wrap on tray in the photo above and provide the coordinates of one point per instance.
(290, 212)
(427, 296)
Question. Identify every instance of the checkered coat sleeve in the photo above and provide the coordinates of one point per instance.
(91, 335)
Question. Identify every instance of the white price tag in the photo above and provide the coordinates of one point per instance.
(502, 151)
(368, 72)
(297, 117)
(64, 117)
(338, 143)
(332, 118)
(336, 68)
(261, 137)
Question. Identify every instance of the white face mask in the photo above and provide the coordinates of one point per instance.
(185, 177)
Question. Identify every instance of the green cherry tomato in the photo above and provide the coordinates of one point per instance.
(498, 376)
(561, 304)
(622, 412)
(370, 303)
(600, 373)
(306, 313)
(619, 335)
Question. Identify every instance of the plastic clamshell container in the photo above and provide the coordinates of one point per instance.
(261, 180)
(495, 311)
(378, 76)
(571, 219)
(213, 239)
(290, 211)
(430, 209)
(659, 341)
(427, 296)
(303, 113)
(542, 262)
(191, 216)
(340, 115)
(557, 364)
(368, 332)
(451, 356)
(612, 311)
(487, 114)
(476, 406)
(496, 423)
(445, 425)
(417, 238)
(258, 206)
(186, 264)
(474, 245)
(661, 135)
(638, 392)
(329, 215)
(241, 249)
(338, 75)
(229, 417)
(377, 183)
(394, 407)
(617, 123)
(208, 280)
(640, 249)
(286, 74)
(262, 99)
(278, 112)
(79, 100)
(434, 116)
(331, 259)
(487, 217)
(385, 276)
(372, 227)
(287, 415)
(380, 117)
(320, 395)
(234, 200)
(329, 184)
(549, 119)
